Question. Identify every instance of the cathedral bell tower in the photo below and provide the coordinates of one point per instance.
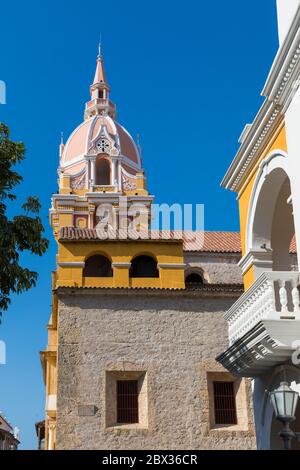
(102, 189)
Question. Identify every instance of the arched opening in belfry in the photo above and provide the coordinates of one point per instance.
(194, 279)
(272, 230)
(102, 172)
(97, 266)
(144, 266)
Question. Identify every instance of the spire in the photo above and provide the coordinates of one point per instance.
(100, 76)
(99, 46)
(62, 145)
(99, 90)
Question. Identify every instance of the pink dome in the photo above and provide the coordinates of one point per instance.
(80, 141)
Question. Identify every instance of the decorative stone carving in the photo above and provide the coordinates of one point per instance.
(78, 182)
(128, 184)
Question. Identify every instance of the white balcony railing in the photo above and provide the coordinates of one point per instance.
(274, 296)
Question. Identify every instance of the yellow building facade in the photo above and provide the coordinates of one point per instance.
(102, 213)
(264, 324)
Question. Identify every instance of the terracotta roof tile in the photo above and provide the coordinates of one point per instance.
(212, 242)
(205, 242)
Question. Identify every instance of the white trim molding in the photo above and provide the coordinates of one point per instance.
(274, 161)
(263, 325)
(282, 85)
(71, 264)
(171, 266)
(261, 260)
(121, 265)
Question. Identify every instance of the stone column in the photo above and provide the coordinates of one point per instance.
(87, 174)
(113, 172)
(119, 175)
(91, 216)
(51, 430)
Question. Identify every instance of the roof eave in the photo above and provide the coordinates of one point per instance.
(260, 119)
(282, 56)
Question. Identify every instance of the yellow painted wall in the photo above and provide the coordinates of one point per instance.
(249, 278)
(123, 251)
(277, 142)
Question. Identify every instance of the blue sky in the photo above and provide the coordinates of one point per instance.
(186, 75)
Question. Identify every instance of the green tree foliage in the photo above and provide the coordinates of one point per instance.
(20, 233)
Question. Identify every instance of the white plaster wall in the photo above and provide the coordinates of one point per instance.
(262, 423)
(286, 10)
(292, 118)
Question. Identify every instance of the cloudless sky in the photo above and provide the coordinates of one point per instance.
(186, 75)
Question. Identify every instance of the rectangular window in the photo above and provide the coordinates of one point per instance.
(127, 401)
(224, 400)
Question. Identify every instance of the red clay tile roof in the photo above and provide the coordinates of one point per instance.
(212, 242)
(205, 242)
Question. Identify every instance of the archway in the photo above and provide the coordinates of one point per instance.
(144, 266)
(270, 220)
(97, 266)
(193, 279)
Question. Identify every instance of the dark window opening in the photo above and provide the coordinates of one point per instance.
(102, 172)
(225, 406)
(101, 94)
(127, 401)
(194, 280)
(144, 266)
(97, 266)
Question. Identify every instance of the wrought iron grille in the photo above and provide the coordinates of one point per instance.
(127, 401)
(225, 406)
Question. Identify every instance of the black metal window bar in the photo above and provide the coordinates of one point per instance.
(225, 405)
(127, 401)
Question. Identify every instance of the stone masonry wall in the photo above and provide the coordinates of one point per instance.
(169, 340)
(217, 268)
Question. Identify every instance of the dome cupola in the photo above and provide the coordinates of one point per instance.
(97, 138)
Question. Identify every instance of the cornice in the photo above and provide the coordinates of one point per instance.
(285, 61)
(71, 264)
(171, 265)
(208, 290)
(265, 123)
(281, 86)
(257, 258)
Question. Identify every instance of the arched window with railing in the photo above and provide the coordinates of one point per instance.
(97, 266)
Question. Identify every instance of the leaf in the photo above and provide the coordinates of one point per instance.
(22, 232)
